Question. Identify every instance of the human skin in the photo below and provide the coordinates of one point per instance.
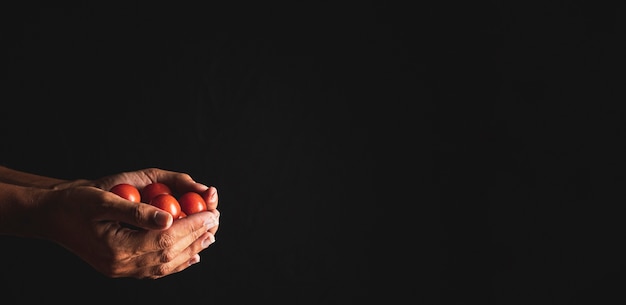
(117, 237)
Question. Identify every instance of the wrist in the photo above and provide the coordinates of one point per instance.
(20, 210)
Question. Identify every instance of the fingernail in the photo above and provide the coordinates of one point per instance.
(195, 259)
(214, 194)
(211, 222)
(210, 194)
(162, 218)
(208, 241)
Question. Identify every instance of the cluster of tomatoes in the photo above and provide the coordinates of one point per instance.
(160, 195)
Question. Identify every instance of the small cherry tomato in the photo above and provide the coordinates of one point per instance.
(153, 189)
(192, 202)
(126, 191)
(168, 203)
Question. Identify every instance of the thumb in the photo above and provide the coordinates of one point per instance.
(141, 215)
(157, 220)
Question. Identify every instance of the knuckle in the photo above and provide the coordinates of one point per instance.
(160, 271)
(167, 256)
(165, 240)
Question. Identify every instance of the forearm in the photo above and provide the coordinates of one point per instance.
(18, 209)
(12, 176)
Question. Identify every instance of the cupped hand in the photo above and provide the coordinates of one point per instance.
(177, 181)
(121, 238)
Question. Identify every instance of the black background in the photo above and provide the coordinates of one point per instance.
(448, 153)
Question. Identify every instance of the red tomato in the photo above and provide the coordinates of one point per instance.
(168, 203)
(191, 203)
(127, 192)
(153, 189)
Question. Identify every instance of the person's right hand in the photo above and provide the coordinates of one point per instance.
(96, 225)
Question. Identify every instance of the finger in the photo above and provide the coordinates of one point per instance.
(139, 215)
(181, 262)
(193, 227)
(179, 182)
(211, 197)
(191, 256)
(162, 246)
(157, 264)
(194, 235)
(214, 229)
(181, 234)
